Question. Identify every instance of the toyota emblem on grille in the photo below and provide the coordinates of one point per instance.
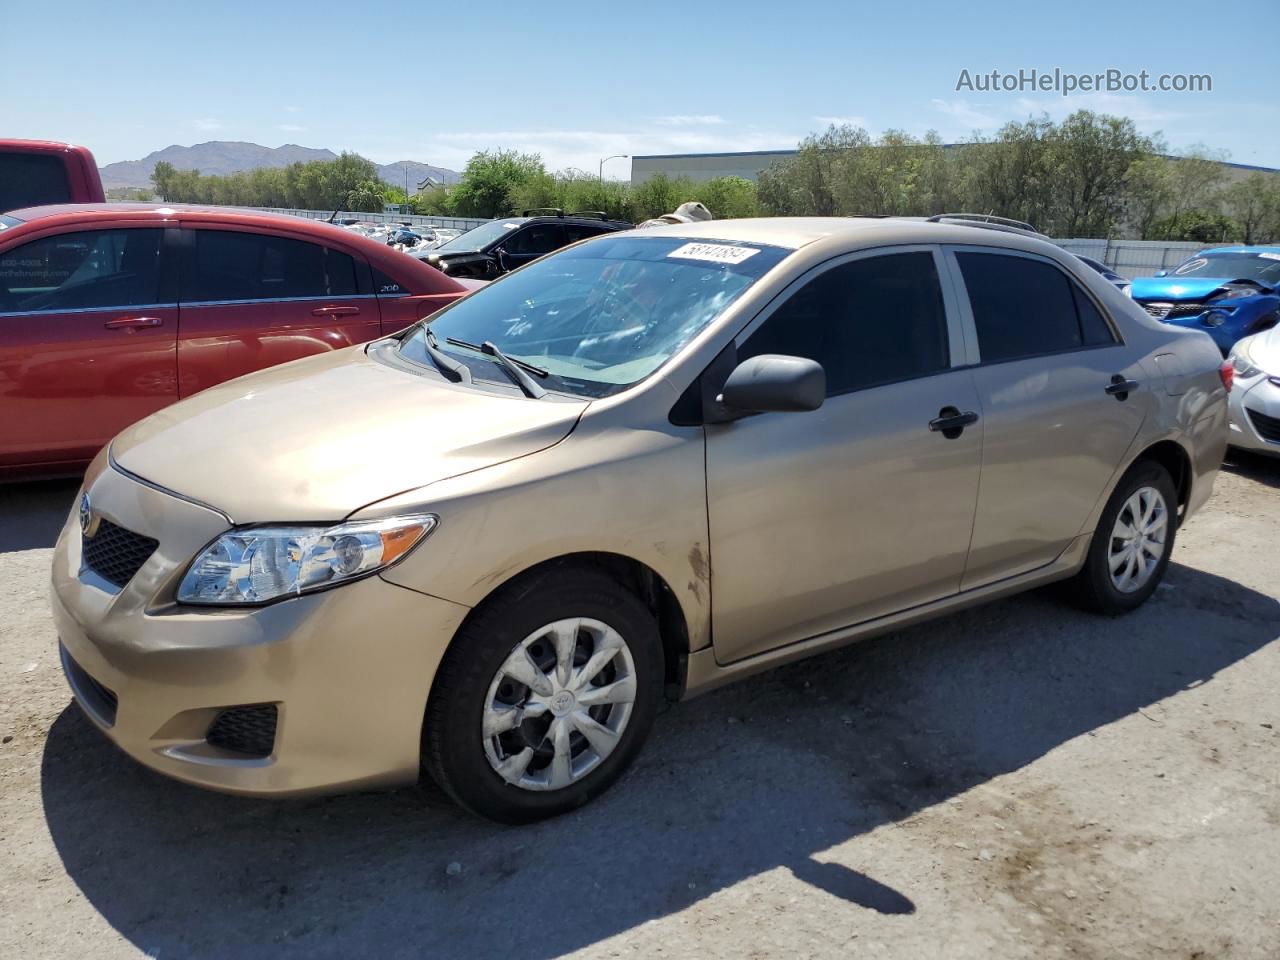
(88, 522)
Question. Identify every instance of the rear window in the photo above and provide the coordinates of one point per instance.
(228, 265)
(32, 179)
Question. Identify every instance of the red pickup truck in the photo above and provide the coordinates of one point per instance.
(37, 172)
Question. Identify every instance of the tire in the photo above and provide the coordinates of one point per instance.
(483, 773)
(1094, 587)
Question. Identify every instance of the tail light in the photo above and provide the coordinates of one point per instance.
(1228, 374)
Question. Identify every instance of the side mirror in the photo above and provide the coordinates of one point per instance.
(771, 383)
(500, 255)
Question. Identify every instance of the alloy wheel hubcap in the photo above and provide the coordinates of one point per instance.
(559, 704)
(1138, 539)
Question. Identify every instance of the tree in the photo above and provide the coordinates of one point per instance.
(1088, 158)
(728, 197)
(366, 197)
(1254, 204)
(1148, 188)
(162, 179)
(490, 180)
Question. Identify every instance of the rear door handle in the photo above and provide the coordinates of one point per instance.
(133, 323)
(335, 311)
(950, 422)
(1120, 387)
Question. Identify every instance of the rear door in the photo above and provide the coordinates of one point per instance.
(88, 326)
(251, 300)
(1044, 356)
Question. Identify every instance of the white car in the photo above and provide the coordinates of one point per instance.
(1255, 401)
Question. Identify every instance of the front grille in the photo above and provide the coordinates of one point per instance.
(93, 696)
(1164, 310)
(116, 554)
(1268, 427)
(247, 730)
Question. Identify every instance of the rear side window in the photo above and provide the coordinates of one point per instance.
(871, 321)
(80, 271)
(1027, 308)
(536, 240)
(231, 265)
(32, 179)
(573, 232)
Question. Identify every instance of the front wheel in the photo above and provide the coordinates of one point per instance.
(545, 696)
(1132, 543)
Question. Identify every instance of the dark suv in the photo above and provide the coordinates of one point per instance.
(496, 247)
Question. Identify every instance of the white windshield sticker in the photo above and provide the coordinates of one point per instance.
(1269, 255)
(715, 252)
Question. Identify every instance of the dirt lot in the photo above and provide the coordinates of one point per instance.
(1021, 780)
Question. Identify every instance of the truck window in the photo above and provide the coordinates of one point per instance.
(32, 179)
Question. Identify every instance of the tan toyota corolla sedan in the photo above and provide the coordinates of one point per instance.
(640, 467)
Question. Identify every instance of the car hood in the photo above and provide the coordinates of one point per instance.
(1176, 288)
(321, 437)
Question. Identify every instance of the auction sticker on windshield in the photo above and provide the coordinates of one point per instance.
(715, 252)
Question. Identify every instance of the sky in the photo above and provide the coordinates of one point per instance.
(577, 82)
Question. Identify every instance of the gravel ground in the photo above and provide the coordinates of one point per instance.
(1020, 780)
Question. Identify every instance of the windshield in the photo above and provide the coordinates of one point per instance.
(601, 316)
(475, 240)
(1263, 267)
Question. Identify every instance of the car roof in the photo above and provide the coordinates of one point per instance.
(378, 254)
(796, 232)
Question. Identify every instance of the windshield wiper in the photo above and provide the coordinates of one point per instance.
(451, 368)
(516, 368)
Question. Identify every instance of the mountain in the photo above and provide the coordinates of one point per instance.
(232, 156)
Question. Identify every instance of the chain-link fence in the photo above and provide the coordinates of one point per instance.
(456, 223)
(1136, 258)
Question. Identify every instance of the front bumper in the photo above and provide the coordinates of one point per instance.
(349, 669)
(1254, 407)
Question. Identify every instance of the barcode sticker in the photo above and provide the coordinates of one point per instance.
(713, 252)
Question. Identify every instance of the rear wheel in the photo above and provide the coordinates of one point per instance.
(1132, 543)
(546, 695)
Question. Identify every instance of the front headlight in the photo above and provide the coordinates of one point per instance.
(1236, 292)
(257, 564)
(1242, 362)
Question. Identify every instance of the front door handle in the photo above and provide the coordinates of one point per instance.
(335, 311)
(1120, 387)
(950, 422)
(133, 323)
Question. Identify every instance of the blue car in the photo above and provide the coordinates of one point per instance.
(1228, 292)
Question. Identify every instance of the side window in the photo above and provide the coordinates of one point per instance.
(78, 271)
(1093, 326)
(1027, 308)
(385, 286)
(573, 232)
(871, 321)
(536, 240)
(232, 265)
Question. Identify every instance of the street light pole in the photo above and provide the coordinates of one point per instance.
(616, 156)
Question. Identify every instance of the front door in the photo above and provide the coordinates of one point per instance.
(859, 509)
(252, 300)
(87, 334)
(1053, 434)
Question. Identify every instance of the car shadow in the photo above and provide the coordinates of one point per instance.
(763, 775)
(1253, 466)
(31, 514)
